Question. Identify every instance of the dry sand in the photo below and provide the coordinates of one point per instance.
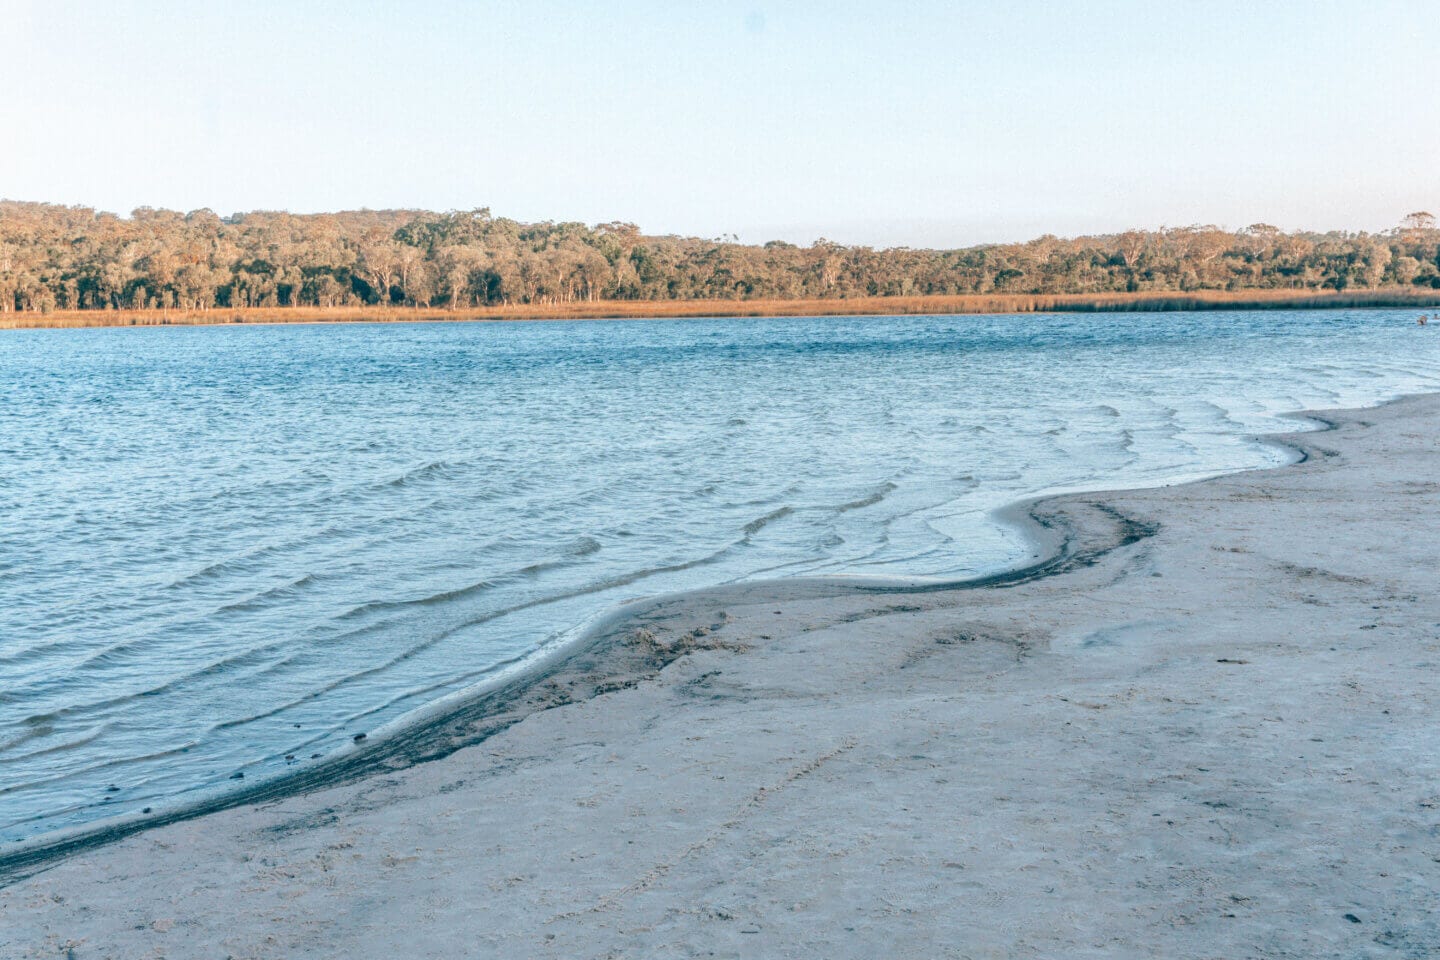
(1205, 727)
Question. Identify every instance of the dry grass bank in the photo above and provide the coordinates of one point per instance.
(636, 309)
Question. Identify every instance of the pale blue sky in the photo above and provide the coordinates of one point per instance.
(889, 124)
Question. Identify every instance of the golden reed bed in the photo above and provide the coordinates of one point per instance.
(621, 309)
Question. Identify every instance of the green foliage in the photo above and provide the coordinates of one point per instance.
(68, 258)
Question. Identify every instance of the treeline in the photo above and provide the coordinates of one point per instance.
(75, 258)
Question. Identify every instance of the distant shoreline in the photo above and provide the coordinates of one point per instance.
(680, 309)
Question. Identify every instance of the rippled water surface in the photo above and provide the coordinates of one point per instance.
(222, 545)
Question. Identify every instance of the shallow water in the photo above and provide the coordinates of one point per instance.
(222, 545)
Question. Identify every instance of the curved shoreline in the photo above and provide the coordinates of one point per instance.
(604, 656)
(1217, 740)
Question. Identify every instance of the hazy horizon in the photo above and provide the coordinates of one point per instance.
(936, 125)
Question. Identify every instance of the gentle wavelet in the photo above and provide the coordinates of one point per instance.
(226, 545)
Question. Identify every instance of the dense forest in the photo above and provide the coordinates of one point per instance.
(74, 258)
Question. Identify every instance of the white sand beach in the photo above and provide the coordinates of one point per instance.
(1206, 728)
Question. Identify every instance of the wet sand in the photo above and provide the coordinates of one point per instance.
(1203, 725)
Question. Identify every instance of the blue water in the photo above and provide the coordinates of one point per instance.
(222, 545)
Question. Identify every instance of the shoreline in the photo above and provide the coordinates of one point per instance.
(470, 716)
(1201, 725)
(491, 706)
(961, 304)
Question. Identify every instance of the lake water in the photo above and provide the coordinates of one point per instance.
(222, 545)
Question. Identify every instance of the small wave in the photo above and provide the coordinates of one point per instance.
(213, 569)
(43, 651)
(265, 597)
(251, 656)
(583, 547)
(217, 569)
(110, 763)
(441, 469)
(760, 523)
(443, 596)
(84, 738)
(885, 490)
